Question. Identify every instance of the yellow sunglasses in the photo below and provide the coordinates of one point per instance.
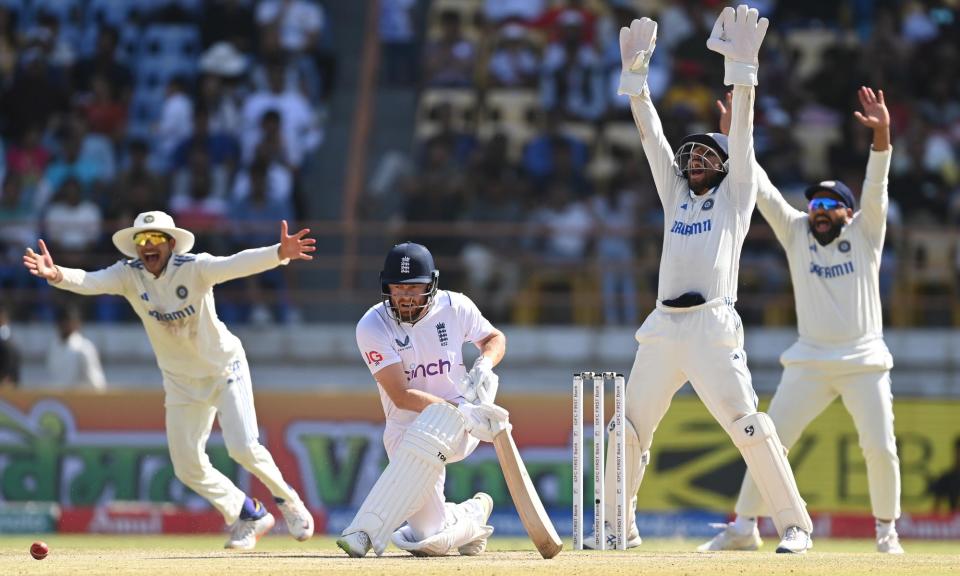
(155, 238)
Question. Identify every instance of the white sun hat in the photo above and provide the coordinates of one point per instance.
(155, 220)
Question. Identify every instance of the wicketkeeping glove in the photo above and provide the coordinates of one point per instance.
(486, 420)
(636, 47)
(480, 384)
(738, 35)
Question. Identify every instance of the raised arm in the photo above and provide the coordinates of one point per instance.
(738, 36)
(775, 209)
(873, 199)
(637, 44)
(106, 281)
(219, 269)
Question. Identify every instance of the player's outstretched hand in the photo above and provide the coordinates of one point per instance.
(41, 264)
(875, 114)
(296, 246)
(738, 34)
(637, 44)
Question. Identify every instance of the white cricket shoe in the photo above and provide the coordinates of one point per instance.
(477, 546)
(298, 518)
(610, 533)
(795, 541)
(245, 533)
(889, 543)
(355, 544)
(730, 539)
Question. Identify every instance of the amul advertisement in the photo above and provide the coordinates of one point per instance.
(99, 462)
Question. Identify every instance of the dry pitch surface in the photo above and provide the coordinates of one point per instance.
(204, 555)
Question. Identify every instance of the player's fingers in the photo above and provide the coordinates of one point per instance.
(302, 233)
(283, 228)
(308, 241)
(880, 97)
(43, 247)
(306, 257)
(721, 107)
(308, 248)
(863, 119)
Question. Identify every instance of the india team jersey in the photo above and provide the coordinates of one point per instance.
(837, 286)
(177, 309)
(702, 235)
(430, 351)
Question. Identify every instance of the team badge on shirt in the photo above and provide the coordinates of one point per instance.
(708, 204)
(182, 292)
(442, 333)
(844, 246)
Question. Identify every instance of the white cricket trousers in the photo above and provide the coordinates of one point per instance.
(191, 405)
(702, 344)
(433, 516)
(804, 392)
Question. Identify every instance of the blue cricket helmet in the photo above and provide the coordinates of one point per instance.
(409, 263)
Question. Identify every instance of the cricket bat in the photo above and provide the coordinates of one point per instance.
(525, 498)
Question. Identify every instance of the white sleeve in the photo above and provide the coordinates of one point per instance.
(743, 165)
(475, 327)
(106, 281)
(219, 269)
(874, 200)
(374, 343)
(655, 146)
(779, 214)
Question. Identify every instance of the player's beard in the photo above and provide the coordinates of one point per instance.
(824, 238)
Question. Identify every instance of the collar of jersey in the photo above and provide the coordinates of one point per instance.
(707, 195)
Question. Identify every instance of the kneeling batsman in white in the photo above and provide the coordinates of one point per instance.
(440, 432)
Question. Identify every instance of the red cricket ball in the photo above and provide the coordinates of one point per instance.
(39, 550)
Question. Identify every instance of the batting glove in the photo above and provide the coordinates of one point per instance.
(636, 47)
(738, 35)
(485, 421)
(480, 385)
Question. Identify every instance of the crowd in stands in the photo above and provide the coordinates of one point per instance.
(205, 108)
(520, 123)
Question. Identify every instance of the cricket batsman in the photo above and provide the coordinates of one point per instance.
(436, 412)
(708, 190)
(204, 367)
(834, 258)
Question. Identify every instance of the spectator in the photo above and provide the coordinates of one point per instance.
(450, 59)
(561, 227)
(222, 148)
(38, 100)
(72, 360)
(540, 154)
(279, 179)
(514, 63)
(28, 158)
(615, 219)
(105, 114)
(199, 202)
(557, 20)
(71, 224)
(8, 45)
(945, 488)
(220, 96)
(460, 144)
(175, 123)
(499, 12)
(298, 23)
(88, 160)
(228, 21)
(398, 42)
(104, 64)
(137, 189)
(300, 132)
(572, 80)
(9, 353)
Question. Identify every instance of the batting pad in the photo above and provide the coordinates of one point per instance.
(410, 475)
(756, 437)
(635, 461)
(462, 528)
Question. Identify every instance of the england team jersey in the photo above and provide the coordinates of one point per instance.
(837, 286)
(430, 351)
(177, 309)
(702, 235)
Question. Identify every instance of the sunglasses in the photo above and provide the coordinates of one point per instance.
(155, 238)
(825, 204)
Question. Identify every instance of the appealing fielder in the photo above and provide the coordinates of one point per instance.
(834, 257)
(412, 343)
(695, 333)
(204, 367)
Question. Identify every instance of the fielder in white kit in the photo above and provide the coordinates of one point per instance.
(412, 343)
(695, 333)
(834, 257)
(204, 367)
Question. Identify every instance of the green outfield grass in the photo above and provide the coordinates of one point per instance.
(204, 555)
